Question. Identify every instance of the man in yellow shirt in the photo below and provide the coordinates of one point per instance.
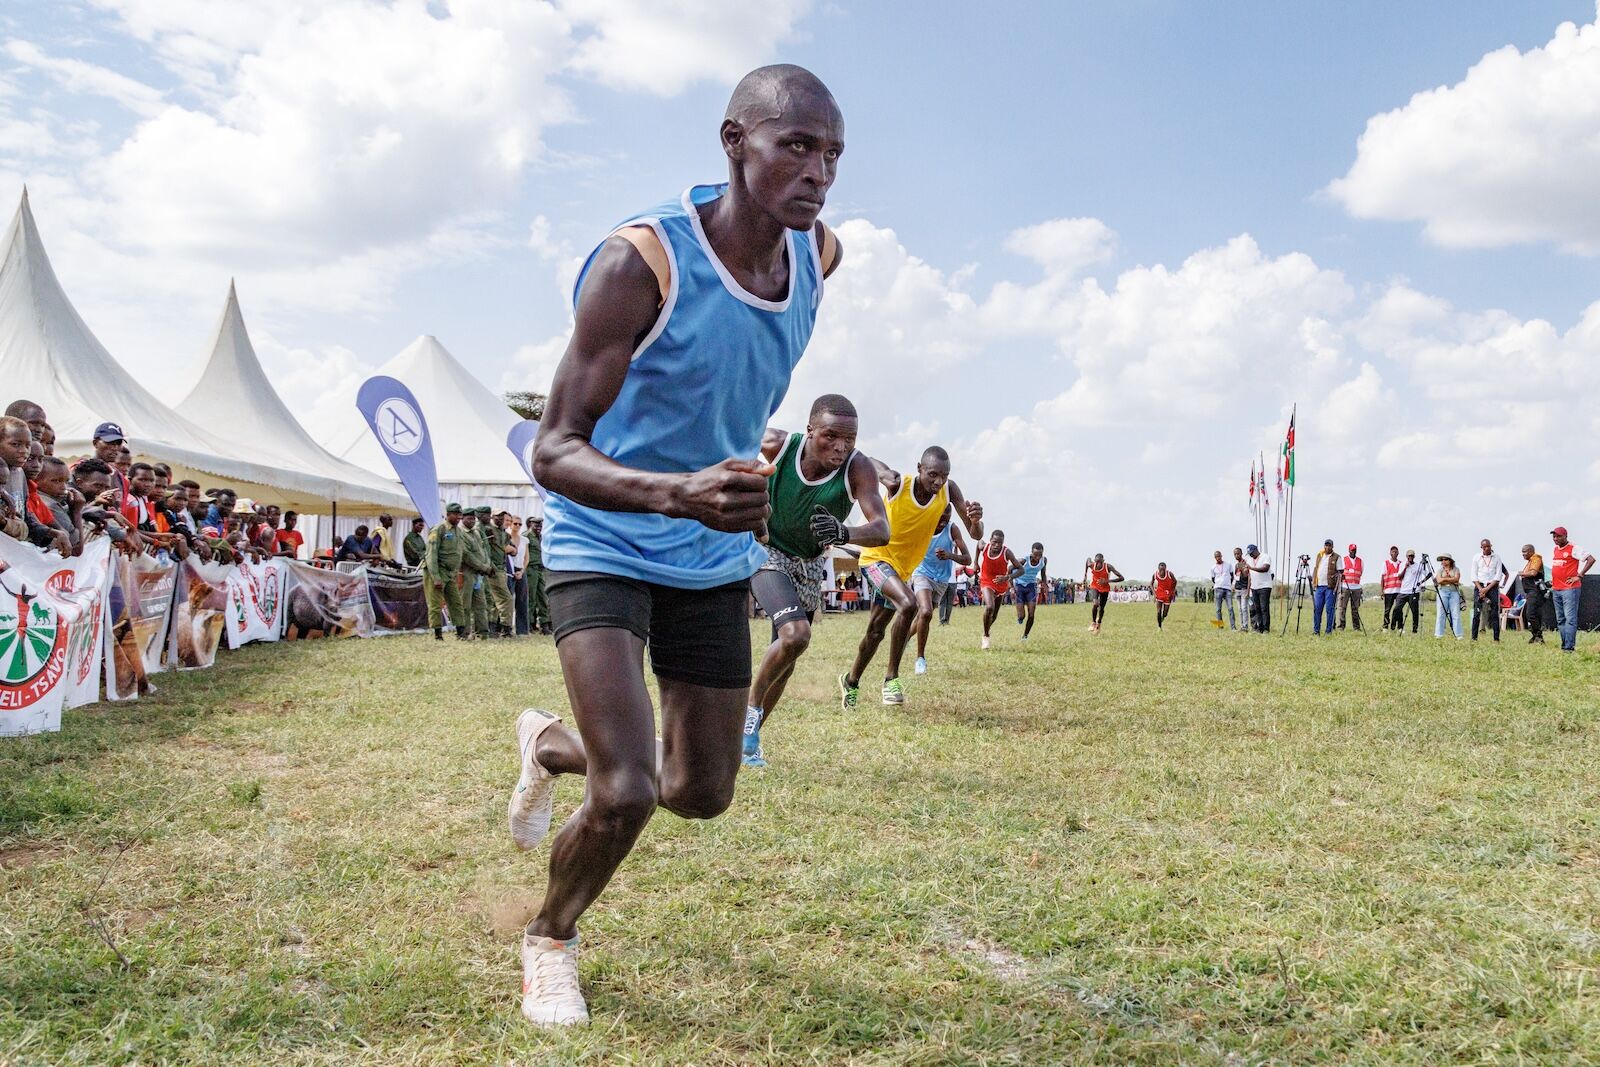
(915, 504)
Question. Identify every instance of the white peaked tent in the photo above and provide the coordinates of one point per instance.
(50, 356)
(234, 400)
(467, 425)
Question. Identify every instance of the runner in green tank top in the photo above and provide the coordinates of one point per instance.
(819, 477)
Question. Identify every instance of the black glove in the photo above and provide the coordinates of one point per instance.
(827, 529)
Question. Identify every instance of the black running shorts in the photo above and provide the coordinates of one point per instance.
(778, 597)
(698, 636)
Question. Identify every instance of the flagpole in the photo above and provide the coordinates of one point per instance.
(1288, 508)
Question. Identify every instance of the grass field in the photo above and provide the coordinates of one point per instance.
(1142, 847)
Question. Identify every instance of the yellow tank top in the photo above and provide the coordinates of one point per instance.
(911, 527)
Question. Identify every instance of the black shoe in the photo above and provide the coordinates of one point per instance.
(438, 633)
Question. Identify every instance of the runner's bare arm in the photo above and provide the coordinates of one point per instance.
(971, 511)
(1014, 567)
(958, 547)
(618, 307)
(772, 443)
(1117, 575)
(888, 477)
(863, 475)
(830, 251)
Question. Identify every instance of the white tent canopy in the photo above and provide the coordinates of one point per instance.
(468, 425)
(49, 355)
(234, 400)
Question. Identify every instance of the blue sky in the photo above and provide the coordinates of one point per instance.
(1131, 361)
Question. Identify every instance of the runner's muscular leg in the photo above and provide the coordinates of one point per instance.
(702, 734)
(991, 608)
(924, 617)
(877, 626)
(905, 613)
(604, 669)
(777, 665)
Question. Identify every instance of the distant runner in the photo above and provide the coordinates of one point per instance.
(997, 566)
(932, 578)
(818, 477)
(1164, 587)
(1098, 576)
(1027, 585)
(915, 504)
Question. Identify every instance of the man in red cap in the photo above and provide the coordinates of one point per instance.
(1350, 588)
(1568, 565)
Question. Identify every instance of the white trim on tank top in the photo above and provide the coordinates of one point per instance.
(728, 282)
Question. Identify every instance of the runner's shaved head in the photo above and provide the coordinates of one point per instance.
(833, 404)
(768, 93)
(935, 454)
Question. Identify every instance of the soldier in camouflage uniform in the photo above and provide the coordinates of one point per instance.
(442, 574)
(475, 564)
(501, 615)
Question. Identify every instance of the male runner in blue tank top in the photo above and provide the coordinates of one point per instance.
(689, 320)
(1029, 582)
(932, 577)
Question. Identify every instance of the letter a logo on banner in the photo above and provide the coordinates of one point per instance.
(520, 440)
(396, 421)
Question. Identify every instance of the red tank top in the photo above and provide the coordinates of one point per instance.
(1100, 579)
(1166, 588)
(992, 570)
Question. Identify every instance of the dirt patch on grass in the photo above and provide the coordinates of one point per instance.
(25, 854)
(504, 912)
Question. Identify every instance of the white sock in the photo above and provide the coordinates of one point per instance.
(752, 720)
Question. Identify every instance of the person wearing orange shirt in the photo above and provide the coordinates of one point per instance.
(1097, 577)
(1164, 587)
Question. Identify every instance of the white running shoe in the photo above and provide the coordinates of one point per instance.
(985, 644)
(550, 994)
(922, 666)
(529, 811)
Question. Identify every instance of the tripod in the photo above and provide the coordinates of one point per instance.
(1302, 589)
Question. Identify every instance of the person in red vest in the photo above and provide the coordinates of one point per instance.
(1164, 587)
(1394, 572)
(1350, 589)
(1098, 576)
(1568, 565)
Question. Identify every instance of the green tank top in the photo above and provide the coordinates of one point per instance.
(793, 498)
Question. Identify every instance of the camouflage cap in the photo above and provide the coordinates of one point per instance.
(452, 509)
(482, 509)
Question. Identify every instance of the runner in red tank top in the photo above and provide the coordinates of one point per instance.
(997, 565)
(1164, 586)
(1098, 576)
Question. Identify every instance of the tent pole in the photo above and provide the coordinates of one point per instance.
(333, 534)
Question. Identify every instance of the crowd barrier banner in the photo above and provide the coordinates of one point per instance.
(199, 610)
(324, 603)
(255, 601)
(52, 619)
(398, 603)
(138, 609)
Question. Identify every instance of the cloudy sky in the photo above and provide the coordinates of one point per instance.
(1097, 251)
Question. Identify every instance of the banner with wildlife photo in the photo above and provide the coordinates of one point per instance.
(398, 603)
(52, 614)
(255, 601)
(325, 603)
(199, 610)
(137, 611)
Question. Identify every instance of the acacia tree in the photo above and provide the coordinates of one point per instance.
(528, 405)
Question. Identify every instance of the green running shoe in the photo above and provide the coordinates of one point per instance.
(894, 692)
(848, 694)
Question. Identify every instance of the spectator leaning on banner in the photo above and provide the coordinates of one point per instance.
(1568, 565)
(1392, 571)
(415, 546)
(1350, 588)
(1487, 574)
(289, 539)
(1324, 588)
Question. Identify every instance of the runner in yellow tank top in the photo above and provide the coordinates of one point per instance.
(915, 503)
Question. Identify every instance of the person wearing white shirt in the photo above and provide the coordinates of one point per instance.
(1260, 565)
(1222, 588)
(1487, 572)
(1410, 595)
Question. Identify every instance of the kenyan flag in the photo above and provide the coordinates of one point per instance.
(1288, 454)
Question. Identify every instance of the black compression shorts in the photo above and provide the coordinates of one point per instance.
(778, 597)
(698, 636)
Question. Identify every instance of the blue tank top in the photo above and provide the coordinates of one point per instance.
(1030, 571)
(932, 567)
(701, 387)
